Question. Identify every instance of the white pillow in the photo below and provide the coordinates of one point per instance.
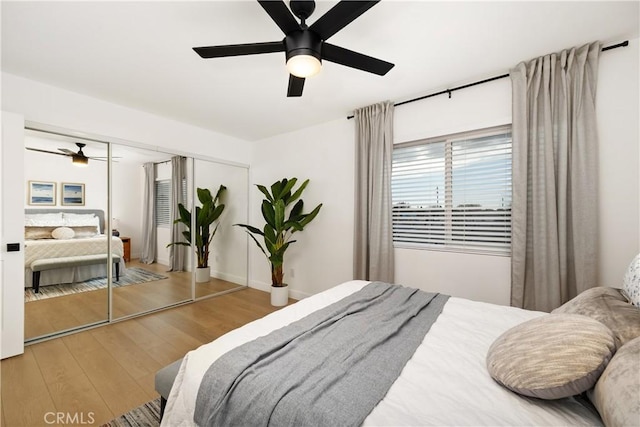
(80, 220)
(77, 216)
(63, 233)
(631, 282)
(43, 220)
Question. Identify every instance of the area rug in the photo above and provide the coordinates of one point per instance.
(132, 276)
(147, 415)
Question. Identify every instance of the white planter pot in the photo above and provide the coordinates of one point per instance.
(203, 274)
(279, 295)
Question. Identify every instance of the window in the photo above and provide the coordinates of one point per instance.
(163, 203)
(454, 192)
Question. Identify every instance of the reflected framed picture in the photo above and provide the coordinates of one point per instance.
(72, 194)
(42, 193)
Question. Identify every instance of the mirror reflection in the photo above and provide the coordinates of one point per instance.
(146, 187)
(65, 238)
(227, 259)
(73, 217)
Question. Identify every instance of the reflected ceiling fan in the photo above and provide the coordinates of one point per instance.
(305, 46)
(78, 159)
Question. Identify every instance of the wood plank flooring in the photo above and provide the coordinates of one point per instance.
(101, 373)
(44, 317)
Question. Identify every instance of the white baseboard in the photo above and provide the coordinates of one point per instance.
(240, 280)
(266, 287)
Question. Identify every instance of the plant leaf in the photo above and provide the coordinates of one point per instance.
(276, 187)
(204, 195)
(287, 189)
(219, 193)
(265, 192)
(298, 192)
(310, 216)
(279, 215)
(250, 228)
(268, 213)
(258, 243)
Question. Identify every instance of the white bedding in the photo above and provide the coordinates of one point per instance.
(52, 248)
(444, 383)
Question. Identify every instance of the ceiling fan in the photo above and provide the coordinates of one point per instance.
(78, 159)
(305, 46)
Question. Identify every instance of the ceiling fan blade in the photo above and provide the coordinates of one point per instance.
(339, 16)
(279, 12)
(239, 49)
(45, 151)
(352, 59)
(67, 151)
(296, 84)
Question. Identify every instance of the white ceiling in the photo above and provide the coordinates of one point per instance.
(139, 53)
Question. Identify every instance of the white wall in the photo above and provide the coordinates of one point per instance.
(323, 256)
(618, 110)
(50, 105)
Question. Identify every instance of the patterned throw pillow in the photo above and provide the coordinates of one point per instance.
(631, 282)
(551, 357)
(616, 394)
(609, 306)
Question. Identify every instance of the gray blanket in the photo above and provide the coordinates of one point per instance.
(330, 368)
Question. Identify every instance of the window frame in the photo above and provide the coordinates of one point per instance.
(448, 207)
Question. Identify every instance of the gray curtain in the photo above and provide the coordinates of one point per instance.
(373, 239)
(148, 255)
(177, 253)
(555, 145)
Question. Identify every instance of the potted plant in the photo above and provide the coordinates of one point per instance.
(205, 216)
(279, 228)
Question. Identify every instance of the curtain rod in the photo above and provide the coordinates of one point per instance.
(448, 91)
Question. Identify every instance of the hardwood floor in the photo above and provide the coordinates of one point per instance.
(98, 374)
(52, 315)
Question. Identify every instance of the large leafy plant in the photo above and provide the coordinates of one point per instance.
(205, 216)
(280, 227)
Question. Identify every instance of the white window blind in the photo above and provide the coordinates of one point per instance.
(454, 192)
(163, 203)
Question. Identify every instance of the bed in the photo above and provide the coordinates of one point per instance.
(446, 381)
(67, 233)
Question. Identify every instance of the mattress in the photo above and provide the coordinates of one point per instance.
(444, 383)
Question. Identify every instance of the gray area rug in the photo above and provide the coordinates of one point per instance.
(147, 415)
(132, 276)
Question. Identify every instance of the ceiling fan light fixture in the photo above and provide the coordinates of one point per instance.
(303, 65)
(80, 161)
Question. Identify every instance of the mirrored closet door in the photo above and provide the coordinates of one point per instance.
(66, 241)
(225, 264)
(101, 238)
(147, 187)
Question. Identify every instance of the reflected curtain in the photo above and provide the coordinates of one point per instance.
(177, 253)
(554, 213)
(373, 238)
(148, 255)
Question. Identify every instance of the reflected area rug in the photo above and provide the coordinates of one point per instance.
(147, 415)
(132, 276)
